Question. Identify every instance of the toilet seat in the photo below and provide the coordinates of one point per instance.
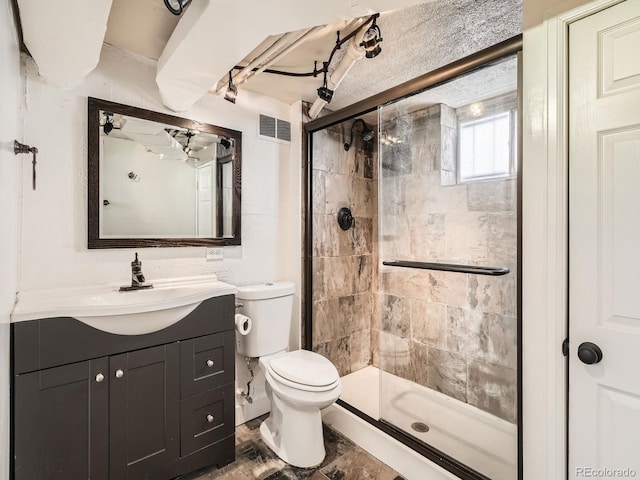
(304, 370)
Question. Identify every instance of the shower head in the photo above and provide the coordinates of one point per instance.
(367, 134)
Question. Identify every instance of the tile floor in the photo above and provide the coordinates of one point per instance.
(255, 461)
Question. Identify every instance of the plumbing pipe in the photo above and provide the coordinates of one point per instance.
(285, 39)
(352, 55)
(356, 23)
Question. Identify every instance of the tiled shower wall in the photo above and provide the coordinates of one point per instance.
(344, 267)
(452, 332)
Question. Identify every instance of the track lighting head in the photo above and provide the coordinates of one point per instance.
(367, 134)
(232, 91)
(371, 41)
(225, 143)
(107, 128)
(324, 92)
(176, 6)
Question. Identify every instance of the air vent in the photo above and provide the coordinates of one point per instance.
(274, 129)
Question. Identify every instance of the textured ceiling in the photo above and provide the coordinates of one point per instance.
(416, 40)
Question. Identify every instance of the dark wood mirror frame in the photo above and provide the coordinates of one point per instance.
(94, 241)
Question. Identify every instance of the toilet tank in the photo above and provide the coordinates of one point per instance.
(269, 306)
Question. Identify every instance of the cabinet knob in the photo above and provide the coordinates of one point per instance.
(99, 377)
(119, 373)
(210, 418)
(209, 363)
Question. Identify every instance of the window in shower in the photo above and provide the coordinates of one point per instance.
(428, 354)
(487, 139)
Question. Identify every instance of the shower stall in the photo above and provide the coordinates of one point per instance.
(412, 255)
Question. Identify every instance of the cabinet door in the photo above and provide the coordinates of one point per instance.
(61, 423)
(144, 411)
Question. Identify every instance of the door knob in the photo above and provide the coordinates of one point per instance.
(119, 373)
(209, 363)
(589, 353)
(99, 377)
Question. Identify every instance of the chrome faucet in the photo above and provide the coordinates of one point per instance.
(137, 277)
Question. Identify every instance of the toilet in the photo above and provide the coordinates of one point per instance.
(298, 384)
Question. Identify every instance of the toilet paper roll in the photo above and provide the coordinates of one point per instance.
(243, 324)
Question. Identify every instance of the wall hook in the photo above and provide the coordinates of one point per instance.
(22, 148)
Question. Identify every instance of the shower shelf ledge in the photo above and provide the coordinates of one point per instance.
(448, 267)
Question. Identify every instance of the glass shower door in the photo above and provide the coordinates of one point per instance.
(447, 279)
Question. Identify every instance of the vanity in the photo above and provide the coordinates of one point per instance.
(107, 402)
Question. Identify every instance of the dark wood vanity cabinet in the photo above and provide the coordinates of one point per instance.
(157, 406)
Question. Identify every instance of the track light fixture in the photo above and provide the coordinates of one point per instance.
(371, 41)
(176, 6)
(366, 134)
(232, 91)
(107, 128)
(324, 92)
(187, 149)
(225, 143)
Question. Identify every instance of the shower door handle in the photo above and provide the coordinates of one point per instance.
(589, 353)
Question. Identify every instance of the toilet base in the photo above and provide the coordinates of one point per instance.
(294, 435)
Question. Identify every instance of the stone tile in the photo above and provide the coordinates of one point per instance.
(467, 332)
(354, 313)
(503, 335)
(370, 163)
(337, 192)
(492, 195)
(448, 149)
(429, 323)
(362, 273)
(326, 239)
(326, 325)
(337, 351)
(360, 197)
(318, 279)
(357, 240)
(503, 241)
(448, 178)
(396, 159)
(395, 235)
(339, 276)
(467, 237)
(360, 349)
(425, 152)
(356, 464)
(492, 388)
(328, 152)
(395, 315)
(427, 237)
(412, 363)
(318, 191)
(449, 288)
(493, 294)
(375, 347)
(447, 373)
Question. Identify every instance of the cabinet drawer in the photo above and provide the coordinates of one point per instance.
(206, 419)
(207, 362)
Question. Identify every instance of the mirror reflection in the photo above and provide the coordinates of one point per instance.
(162, 178)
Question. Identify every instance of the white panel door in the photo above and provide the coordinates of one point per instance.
(604, 243)
(205, 201)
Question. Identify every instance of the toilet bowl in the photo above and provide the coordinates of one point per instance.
(299, 385)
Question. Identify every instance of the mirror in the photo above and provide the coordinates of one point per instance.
(156, 180)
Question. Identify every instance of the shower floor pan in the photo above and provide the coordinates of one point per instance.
(472, 436)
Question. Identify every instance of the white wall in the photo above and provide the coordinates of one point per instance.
(54, 239)
(55, 216)
(9, 193)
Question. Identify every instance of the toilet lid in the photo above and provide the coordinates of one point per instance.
(306, 368)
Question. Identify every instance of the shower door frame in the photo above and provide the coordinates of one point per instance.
(512, 46)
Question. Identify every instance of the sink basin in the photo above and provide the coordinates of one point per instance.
(125, 313)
